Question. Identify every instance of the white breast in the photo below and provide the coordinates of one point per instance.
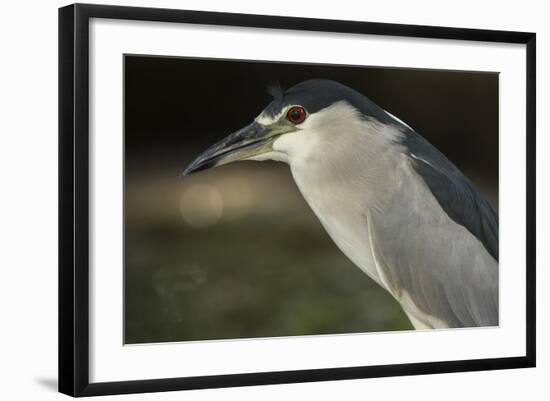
(345, 225)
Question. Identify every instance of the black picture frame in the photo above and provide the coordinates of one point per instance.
(74, 198)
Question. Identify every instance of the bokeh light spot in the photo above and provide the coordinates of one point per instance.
(201, 205)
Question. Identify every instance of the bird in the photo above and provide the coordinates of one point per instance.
(399, 209)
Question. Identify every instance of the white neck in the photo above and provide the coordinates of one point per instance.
(335, 150)
(343, 166)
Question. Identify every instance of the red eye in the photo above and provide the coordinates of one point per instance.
(296, 114)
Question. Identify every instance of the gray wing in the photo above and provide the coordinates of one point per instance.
(454, 192)
(437, 241)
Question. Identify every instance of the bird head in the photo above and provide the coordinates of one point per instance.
(293, 125)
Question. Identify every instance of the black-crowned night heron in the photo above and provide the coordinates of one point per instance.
(394, 205)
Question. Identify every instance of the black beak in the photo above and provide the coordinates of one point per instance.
(252, 140)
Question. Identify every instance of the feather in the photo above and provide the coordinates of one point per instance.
(275, 90)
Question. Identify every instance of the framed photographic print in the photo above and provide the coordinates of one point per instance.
(249, 199)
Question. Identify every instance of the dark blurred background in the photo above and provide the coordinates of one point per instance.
(235, 252)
